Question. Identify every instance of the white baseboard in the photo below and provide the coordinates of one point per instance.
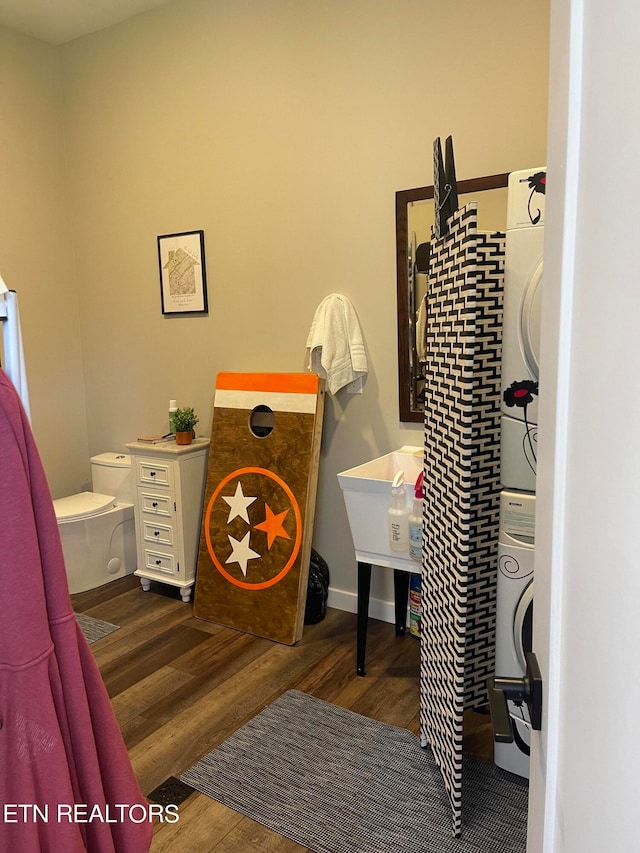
(378, 608)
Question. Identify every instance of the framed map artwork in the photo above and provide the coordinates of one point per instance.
(183, 277)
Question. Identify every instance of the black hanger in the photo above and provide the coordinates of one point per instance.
(445, 188)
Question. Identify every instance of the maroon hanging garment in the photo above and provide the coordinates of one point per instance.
(66, 781)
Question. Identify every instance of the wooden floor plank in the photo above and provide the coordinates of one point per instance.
(205, 625)
(145, 624)
(227, 663)
(215, 651)
(136, 729)
(250, 837)
(147, 692)
(149, 656)
(203, 824)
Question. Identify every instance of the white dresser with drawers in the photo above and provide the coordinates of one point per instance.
(169, 482)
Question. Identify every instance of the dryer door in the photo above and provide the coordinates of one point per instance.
(523, 626)
(529, 326)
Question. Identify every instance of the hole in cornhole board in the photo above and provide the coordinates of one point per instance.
(261, 421)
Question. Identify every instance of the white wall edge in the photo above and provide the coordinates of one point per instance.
(380, 609)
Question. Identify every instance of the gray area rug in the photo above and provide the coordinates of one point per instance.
(94, 629)
(338, 782)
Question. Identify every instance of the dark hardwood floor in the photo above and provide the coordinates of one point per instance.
(180, 686)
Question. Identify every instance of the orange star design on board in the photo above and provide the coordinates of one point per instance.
(272, 525)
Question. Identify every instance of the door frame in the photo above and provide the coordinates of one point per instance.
(561, 211)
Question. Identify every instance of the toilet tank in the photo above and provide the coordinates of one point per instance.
(111, 475)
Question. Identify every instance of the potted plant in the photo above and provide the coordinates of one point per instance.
(184, 421)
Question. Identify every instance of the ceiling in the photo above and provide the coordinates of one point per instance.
(59, 21)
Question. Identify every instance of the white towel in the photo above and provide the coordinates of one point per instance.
(14, 365)
(335, 346)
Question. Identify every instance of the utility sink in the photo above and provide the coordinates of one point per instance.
(367, 495)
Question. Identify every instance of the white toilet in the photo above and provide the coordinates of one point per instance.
(97, 528)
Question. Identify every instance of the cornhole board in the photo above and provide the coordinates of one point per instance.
(257, 525)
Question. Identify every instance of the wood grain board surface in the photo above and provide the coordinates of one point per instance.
(253, 561)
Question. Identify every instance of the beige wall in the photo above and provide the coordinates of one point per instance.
(36, 252)
(283, 129)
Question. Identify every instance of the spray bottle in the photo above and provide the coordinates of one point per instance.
(415, 520)
(398, 515)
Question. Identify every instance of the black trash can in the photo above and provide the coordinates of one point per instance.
(317, 589)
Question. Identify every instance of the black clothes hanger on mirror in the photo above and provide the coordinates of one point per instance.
(445, 188)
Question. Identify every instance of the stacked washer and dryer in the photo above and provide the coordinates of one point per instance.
(519, 432)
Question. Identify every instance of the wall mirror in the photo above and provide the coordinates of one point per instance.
(414, 218)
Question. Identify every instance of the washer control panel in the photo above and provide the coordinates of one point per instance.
(518, 516)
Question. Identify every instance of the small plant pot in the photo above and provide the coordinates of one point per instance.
(184, 437)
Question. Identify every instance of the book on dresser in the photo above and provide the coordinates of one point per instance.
(157, 439)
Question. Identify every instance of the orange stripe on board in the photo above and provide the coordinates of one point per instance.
(292, 383)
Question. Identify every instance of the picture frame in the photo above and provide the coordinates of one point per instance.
(183, 275)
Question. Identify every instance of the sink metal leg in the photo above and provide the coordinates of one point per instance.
(364, 587)
(401, 596)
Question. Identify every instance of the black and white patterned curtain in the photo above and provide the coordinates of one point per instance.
(462, 486)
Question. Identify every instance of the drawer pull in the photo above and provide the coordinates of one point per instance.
(156, 533)
(152, 473)
(154, 504)
(158, 562)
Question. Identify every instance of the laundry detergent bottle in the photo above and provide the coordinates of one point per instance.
(415, 520)
(398, 515)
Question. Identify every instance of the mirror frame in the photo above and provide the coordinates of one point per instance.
(403, 198)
